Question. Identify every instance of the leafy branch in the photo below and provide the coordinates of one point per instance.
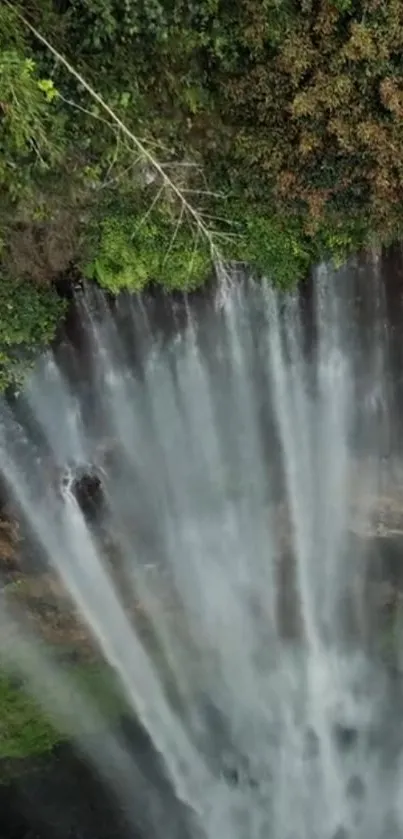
(162, 170)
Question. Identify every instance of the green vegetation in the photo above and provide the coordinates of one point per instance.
(290, 112)
(24, 729)
(132, 249)
(29, 317)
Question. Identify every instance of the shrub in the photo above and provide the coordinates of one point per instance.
(135, 250)
(276, 247)
(28, 321)
(294, 107)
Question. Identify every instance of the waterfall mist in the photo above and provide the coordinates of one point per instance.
(241, 452)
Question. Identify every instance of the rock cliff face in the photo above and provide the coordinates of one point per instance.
(375, 560)
(370, 566)
(9, 547)
(37, 591)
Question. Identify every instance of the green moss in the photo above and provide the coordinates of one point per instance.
(25, 730)
(28, 320)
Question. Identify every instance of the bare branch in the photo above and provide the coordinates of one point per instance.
(115, 155)
(121, 174)
(230, 237)
(175, 233)
(78, 107)
(150, 209)
(184, 164)
(211, 217)
(193, 254)
(142, 148)
(203, 192)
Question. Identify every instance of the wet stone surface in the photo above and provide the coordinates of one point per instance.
(62, 797)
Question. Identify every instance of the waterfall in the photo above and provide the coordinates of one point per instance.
(239, 447)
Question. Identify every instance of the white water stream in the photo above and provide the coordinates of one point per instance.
(236, 453)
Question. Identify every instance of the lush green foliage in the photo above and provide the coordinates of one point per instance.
(23, 729)
(26, 731)
(132, 250)
(293, 108)
(28, 316)
(29, 129)
(273, 245)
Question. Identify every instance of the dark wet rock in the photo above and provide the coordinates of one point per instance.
(68, 282)
(346, 736)
(10, 558)
(88, 491)
(232, 775)
(59, 799)
(238, 776)
(386, 554)
(62, 797)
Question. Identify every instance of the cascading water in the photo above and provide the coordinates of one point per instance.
(240, 451)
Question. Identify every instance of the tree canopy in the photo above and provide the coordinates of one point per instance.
(280, 121)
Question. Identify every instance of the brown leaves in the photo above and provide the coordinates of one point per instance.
(340, 128)
(254, 30)
(316, 200)
(286, 184)
(391, 92)
(304, 104)
(297, 56)
(323, 106)
(361, 44)
(326, 21)
(324, 95)
(309, 143)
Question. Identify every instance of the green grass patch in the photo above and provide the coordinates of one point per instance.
(26, 731)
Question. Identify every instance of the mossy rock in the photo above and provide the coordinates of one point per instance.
(25, 729)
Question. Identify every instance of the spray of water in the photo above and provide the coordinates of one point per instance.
(236, 446)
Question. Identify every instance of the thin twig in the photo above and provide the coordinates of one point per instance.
(211, 217)
(78, 107)
(203, 192)
(185, 164)
(230, 237)
(175, 233)
(148, 156)
(121, 175)
(150, 209)
(115, 155)
(192, 257)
